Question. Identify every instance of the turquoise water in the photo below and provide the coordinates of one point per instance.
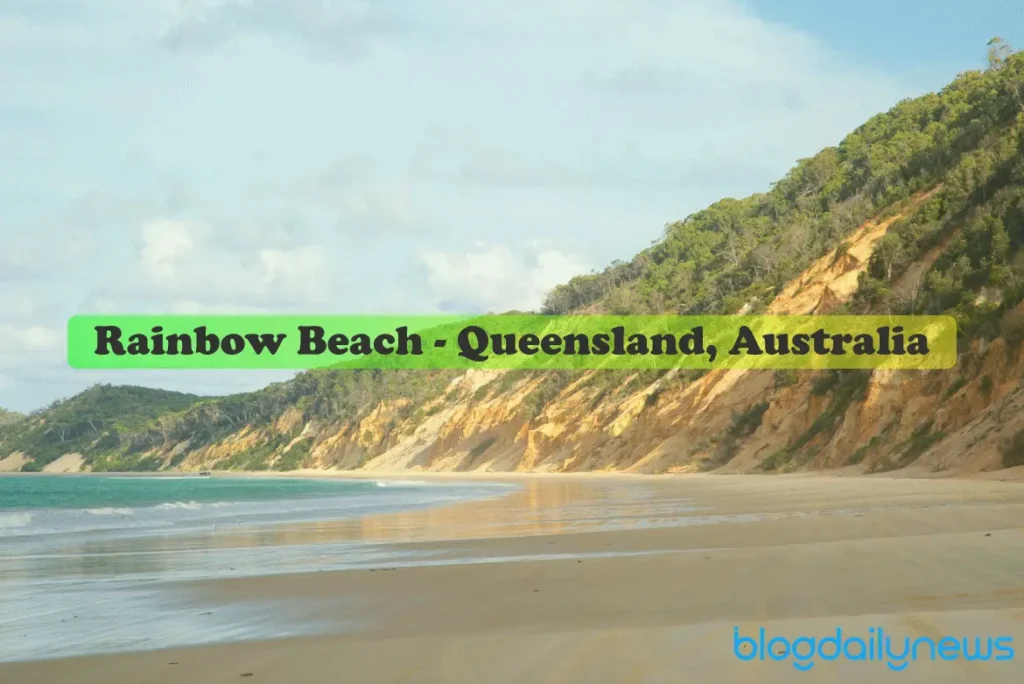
(44, 508)
(93, 564)
(63, 491)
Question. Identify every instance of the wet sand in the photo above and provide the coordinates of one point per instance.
(798, 555)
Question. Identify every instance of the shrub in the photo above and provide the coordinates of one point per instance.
(483, 446)
(776, 460)
(1012, 327)
(785, 378)
(744, 424)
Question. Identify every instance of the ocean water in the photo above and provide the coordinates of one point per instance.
(70, 492)
(34, 507)
(99, 564)
(92, 564)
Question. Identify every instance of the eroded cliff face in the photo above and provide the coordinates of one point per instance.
(726, 420)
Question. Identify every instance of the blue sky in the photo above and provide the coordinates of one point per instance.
(397, 156)
(925, 40)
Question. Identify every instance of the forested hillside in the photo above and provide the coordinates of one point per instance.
(920, 210)
(740, 253)
(95, 421)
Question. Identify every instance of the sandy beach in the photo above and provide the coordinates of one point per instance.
(613, 579)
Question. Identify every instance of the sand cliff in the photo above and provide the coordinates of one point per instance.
(734, 421)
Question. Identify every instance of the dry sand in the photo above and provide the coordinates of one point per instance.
(915, 557)
(12, 463)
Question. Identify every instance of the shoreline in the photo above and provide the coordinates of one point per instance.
(1014, 475)
(576, 600)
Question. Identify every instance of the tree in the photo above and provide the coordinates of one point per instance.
(998, 52)
(889, 251)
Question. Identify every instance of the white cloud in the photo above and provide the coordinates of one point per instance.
(386, 207)
(29, 339)
(192, 307)
(336, 27)
(16, 303)
(353, 193)
(284, 268)
(186, 267)
(496, 278)
(326, 184)
(165, 244)
(28, 347)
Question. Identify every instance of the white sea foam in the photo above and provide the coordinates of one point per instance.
(401, 483)
(190, 505)
(14, 520)
(110, 511)
(161, 477)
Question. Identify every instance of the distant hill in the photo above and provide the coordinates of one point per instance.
(920, 210)
(97, 420)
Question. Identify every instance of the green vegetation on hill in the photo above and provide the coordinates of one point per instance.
(118, 428)
(966, 142)
(8, 417)
(978, 215)
(737, 252)
(323, 395)
(94, 421)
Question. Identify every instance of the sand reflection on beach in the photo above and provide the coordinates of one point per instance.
(612, 567)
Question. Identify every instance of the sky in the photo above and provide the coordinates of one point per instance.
(400, 156)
